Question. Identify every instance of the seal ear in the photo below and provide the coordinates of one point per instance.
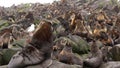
(43, 33)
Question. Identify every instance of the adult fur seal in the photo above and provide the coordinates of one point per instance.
(37, 50)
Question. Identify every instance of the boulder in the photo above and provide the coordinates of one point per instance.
(4, 23)
(50, 64)
(111, 64)
(6, 55)
(79, 45)
(0, 58)
(4, 66)
(18, 43)
(53, 64)
(115, 52)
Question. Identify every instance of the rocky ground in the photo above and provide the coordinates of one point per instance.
(86, 33)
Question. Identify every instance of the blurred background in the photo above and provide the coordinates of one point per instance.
(8, 3)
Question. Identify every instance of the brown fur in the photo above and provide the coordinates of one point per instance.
(57, 48)
(66, 56)
(29, 16)
(63, 1)
(72, 23)
(96, 59)
(37, 51)
(44, 33)
(106, 39)
(79, 26)
(76, 19)
(4, 40)
(101, 16)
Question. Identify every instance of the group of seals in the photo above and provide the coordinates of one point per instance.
(40, 48)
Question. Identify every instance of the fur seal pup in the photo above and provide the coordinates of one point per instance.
(68, 57)
(96, 58)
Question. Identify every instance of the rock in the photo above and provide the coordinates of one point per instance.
(99, 43)
(60, 29)
(0, 58)
(24, 23)
(5, 66)
(105, 51)
(111, 64)
(84, 56)
(79, 45)
(53, 64)
(18, 43)
(117, 41)
(115, 52)
(3, 24)
(6, 55)
(99, 4)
